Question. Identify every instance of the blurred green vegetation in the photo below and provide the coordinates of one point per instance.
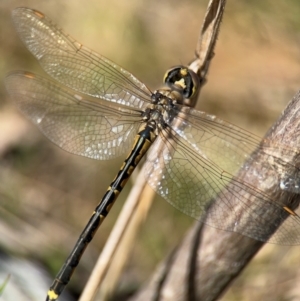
(47, 195)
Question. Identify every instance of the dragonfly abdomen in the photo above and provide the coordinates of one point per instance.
(143, 141)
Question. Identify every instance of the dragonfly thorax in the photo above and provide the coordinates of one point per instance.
(161, 112)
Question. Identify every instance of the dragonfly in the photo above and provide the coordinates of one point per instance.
(94, 108)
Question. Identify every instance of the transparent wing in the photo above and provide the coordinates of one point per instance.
(75, 65)
(76, 122)
(200, 162)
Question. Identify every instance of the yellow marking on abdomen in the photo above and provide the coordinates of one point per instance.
(130, 170)
(52, 295)
(108, 207)
(123, 165)
(142, 152)
(123, 183)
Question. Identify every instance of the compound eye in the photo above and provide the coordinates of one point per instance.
(183, 79)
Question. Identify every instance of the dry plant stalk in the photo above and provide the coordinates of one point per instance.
(208, 260)
(106, 272)
(205, 263)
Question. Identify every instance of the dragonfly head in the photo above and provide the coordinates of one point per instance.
(182, 80)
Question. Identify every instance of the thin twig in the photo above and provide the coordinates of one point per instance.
(139, 200)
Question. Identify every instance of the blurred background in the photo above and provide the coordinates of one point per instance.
(47, 195)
